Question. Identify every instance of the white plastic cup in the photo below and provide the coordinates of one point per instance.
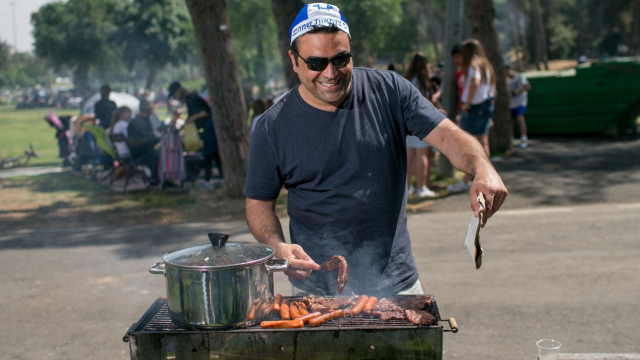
(548, 349)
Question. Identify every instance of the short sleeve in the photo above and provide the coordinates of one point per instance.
(264, 178)
(524, 80)
(420, 116)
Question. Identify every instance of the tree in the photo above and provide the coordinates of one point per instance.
(539, 35)
(284, 12)
(255, 42)
(153, 33)
(480, 17)
(211, 24)
(75, 34)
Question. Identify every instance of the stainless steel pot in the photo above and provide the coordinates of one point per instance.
(217, 285)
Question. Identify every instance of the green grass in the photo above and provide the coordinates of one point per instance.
(18, 128)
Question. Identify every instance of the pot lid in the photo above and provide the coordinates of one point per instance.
(219, 254)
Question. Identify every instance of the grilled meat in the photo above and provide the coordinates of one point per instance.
(388, 315)
(415, 303)
(385, 304)
(343, 272)
(329, 303)
(418, 317)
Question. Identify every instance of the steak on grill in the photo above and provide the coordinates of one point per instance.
(418, 317)
(388, 315)
(386, 305)
(416, 303)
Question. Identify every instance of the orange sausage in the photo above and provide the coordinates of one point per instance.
(302, 309)
(252, 313)
(305, 318)
(357, 308)
(284, 310)
(293, 310)
(276, 303)
(319, 320)
(282, 324)
(369, 305)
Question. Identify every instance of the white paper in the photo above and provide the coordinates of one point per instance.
(469, 242)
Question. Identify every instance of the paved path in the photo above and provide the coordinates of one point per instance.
(569, 273)
(29, 171)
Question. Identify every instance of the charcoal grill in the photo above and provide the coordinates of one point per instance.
(156, 337)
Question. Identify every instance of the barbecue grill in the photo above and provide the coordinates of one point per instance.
(156, 337)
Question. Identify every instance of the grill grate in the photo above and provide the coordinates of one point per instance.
(161, 322)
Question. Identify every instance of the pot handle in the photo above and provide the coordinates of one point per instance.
(277, 265)
(157, 268)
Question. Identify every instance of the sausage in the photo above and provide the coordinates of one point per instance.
(252, 313)
(284, 310)
(319, 320)
(279, 324)
(302, 309)
(276, 303)
(305, 318)
(357, 308)
(369, 305)
(266, 308)
(293, 310)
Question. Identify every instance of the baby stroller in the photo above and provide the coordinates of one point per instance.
(65, 144)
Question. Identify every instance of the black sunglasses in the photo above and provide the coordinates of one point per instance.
(319, 63)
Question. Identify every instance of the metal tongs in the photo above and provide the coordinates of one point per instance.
(473, 234)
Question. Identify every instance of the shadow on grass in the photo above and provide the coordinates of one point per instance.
(63, 200)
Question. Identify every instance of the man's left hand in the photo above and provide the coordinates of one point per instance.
(489, 183)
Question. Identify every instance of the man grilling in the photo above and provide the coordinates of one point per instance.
(336, 142)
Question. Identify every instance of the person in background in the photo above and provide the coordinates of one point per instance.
(477, 100)
(391, 67)
(119, 125)
(417, 150)
(456, 56)
(199, 113)
(143, 140)
(518, 87)
(437, 94)
(104, 108)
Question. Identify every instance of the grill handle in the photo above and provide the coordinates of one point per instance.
(157, 268)
(453, 326)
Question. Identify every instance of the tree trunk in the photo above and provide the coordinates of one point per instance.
(635, 37)
(480, 17)
(211, 24)
(516, 39)
(285, 11)
(81, 79)
(523, 36)
(151, 77)
(539, 35)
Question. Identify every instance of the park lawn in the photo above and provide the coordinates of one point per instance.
(66, 199)
(19, 128)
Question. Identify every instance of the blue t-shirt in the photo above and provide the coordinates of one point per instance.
(345, 172)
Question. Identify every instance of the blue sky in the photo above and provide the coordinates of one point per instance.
(23, 10)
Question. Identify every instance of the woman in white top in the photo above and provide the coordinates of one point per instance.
(477, 99)
(417, 150)
(119, 124)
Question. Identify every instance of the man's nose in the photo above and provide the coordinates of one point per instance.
(330, 72)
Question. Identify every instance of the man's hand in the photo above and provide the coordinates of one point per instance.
(488, 182)
(300, 264)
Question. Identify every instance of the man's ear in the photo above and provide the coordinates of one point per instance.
(294, 61)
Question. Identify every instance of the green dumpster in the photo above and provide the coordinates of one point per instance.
(601, 97)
